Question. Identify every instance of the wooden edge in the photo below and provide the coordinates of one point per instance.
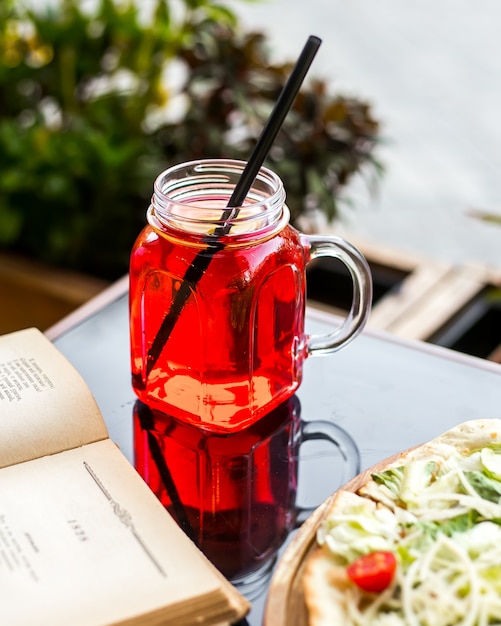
(447, 298)
(66, 285)
(495, 355)
(289, 567)
(91, 307)
(400, 302)
(383, 254)
(285, 596)
(413, 344)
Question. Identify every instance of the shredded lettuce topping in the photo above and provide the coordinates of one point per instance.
(442, 520)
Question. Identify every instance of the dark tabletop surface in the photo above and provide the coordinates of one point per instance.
(381, 395)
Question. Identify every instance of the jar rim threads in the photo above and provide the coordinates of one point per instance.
(193, 197)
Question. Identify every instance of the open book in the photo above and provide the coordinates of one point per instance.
(83, 540)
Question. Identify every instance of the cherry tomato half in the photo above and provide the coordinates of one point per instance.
(373, 572)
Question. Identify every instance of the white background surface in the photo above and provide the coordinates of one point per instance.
(432, 73)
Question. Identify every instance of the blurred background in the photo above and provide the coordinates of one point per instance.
(432, 74)
(393, 142)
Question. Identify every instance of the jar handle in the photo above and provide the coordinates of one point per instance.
(347, 449)
(320, 246)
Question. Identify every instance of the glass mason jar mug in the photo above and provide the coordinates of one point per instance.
(217, 297)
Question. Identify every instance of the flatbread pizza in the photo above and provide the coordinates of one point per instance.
(419, 543)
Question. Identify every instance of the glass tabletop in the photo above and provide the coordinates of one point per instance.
(372, 399)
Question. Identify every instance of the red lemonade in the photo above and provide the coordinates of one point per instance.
(236, 350)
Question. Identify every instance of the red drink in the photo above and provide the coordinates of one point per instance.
(236, 349)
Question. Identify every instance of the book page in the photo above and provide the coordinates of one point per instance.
(83, 541)
(45, 405)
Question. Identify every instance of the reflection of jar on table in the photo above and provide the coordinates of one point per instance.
(234, 495)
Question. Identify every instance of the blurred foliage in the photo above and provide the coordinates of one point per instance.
(95, 101)
(232, 88)
(486, 216)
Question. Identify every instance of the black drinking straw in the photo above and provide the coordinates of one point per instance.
(202, 260)
(147, 424)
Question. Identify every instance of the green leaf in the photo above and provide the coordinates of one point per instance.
(391, 478)
(486, 487)
(11, 223)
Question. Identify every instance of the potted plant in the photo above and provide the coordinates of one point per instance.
(95, 103)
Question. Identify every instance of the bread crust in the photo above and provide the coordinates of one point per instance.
(326, 589)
